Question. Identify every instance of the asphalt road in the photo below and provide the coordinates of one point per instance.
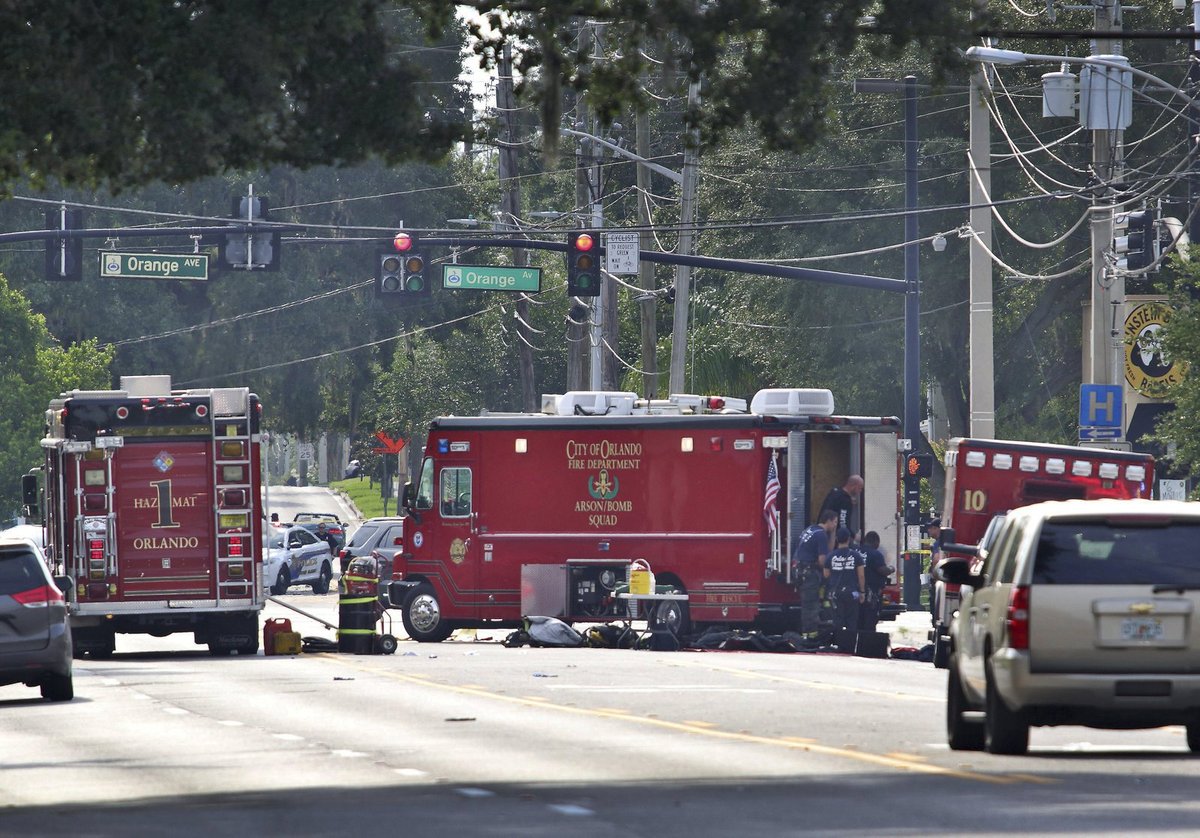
(470, 738)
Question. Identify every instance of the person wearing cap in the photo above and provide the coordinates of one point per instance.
(847, 581)
(808, 569)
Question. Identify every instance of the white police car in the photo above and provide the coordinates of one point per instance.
(295, 556)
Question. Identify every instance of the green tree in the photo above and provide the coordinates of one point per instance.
(36, 369)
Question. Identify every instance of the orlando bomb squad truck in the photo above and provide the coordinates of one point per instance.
(152, 507)
(517, 515)
(985, 478)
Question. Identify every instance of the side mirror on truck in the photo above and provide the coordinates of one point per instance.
(958, 572)
(31, 496)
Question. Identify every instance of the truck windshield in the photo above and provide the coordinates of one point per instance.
(425, 487)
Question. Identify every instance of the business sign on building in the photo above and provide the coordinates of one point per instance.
(1148, 368)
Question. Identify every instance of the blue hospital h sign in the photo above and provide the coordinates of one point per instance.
(1100, 405)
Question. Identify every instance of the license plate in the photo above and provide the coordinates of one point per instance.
(1141, 628)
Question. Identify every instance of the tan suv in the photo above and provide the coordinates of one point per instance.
(1085, 612)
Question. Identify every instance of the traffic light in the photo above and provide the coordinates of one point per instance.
(64, 257)
(250, 251)
(401, 270)
(1135, 240)
(918, 465)
(583, 272)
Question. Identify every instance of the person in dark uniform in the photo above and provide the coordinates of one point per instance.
(847, 584)
(842, 500)
(808, 570)
(327, 537)
(877, 573)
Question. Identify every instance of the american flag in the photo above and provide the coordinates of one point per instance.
(770, 511)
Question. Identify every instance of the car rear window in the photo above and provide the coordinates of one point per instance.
(363, 534)
(20, 570)
(1102, 553)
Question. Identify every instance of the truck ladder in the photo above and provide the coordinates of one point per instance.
(231, 424)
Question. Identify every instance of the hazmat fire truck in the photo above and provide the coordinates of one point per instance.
(985, 478)
(516, 515)
(152, 507)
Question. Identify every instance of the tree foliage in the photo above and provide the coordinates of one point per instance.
(95, 94)
(36, 368)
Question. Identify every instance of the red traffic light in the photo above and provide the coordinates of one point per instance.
(584, 241)
(402, 242)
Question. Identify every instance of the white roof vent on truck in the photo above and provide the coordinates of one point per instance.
(590, 403)
(146, 386)
(782, 401)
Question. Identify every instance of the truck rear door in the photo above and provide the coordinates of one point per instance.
(164, 520)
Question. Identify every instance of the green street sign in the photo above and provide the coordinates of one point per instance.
(491, 278)
(193, 266)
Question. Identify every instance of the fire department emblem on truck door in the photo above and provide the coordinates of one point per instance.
(164, 461)
(458, 551)
(603, 487)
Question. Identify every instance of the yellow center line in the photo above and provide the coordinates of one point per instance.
(882, 760)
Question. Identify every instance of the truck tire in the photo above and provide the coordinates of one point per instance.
(1193, 737)
(58, 687)
(1005, 732)
(675, 617)
(961, 734)
(422, 616)
(321, 586)
(941, 649)
(282, 581)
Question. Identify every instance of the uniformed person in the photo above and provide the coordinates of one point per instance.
(808, 570)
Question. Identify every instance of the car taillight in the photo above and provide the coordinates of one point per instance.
(1017, 621)
(39, 597)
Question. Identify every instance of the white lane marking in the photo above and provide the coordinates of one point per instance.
(569, 809)
(288, 737)
(410, 772)
(342, 752)
(231, 723)
(176, 711)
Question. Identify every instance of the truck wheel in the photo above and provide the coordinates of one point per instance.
(1005, 732)
(961, 734)
(422, 616)
(1193, 737)
(250, 647)
(941, 650)
(282, 581)
(674, 616)
(58, 687)
(321, 586)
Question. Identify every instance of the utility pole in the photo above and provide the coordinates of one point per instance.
(646, 270)
(1108, 286)
(510, 204)
(1193, 84)
(577, 329)
(982, 394)
(605, 303)
(683, 273)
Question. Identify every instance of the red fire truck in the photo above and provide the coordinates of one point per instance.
(152, 506)
(988, 477)
(543, 514)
